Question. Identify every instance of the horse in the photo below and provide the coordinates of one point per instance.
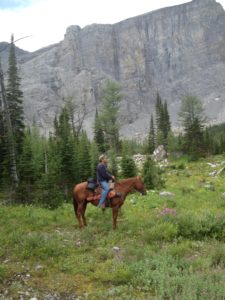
(82, 196)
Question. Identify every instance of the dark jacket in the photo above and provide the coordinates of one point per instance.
(102, 173)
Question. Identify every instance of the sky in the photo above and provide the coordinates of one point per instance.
(44, 22)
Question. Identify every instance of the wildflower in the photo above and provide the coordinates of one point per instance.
(167, 211)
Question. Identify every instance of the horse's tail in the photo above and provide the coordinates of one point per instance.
(75, 205)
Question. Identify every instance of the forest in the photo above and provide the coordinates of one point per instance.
(34, 166)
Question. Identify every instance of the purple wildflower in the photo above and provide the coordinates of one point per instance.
(168, 211)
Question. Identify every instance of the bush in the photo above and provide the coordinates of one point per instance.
(200, 226)
(161, 232)
(49, 194)
(128, 167)
(151, 175)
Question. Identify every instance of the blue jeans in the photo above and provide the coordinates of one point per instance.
(105, 186)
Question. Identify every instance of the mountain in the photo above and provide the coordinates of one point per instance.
(175, 51)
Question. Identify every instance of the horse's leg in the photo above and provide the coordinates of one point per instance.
(75, 205)
(115, 214)
(83, 213)
(79, 214)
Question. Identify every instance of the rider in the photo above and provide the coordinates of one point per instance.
(103, 177)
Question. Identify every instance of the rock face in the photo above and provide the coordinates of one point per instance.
(175, 51)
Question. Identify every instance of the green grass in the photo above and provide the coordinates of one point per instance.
(164, 247)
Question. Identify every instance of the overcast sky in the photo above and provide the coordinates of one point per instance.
(45, 21)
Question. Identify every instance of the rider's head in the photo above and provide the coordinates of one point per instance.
(103, 158)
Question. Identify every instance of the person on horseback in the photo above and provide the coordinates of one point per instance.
(103, 177)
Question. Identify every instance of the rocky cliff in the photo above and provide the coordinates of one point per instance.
(175, 51)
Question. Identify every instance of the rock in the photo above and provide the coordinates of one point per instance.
(159, 153)
(116, 249)
(209, 186)
(221, 171)
(38, 267)
(212, 165)
(156, 51)
(213, 173)
(166, 194)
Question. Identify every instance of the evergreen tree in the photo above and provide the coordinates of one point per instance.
(99, 133)
(8, 136)
(162, 122)
(39, 146)
(3, 146)
(151, 137)
(151, 175)
(111, 99)
(65, 142)
(25, 190)
(159, 119)
(192, 119)
(128, 167)
(113, 165)
(84, 158)
(166, 123)
(94, 153)
(26, 163)
(49, 190)
(14, 97)
(208, 141)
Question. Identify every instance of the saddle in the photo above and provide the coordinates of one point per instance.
(96, 189)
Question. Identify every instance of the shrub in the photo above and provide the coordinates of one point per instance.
(151, 175)
(161, 232)
(128, 167)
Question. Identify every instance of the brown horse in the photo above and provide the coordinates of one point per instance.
(81, 195)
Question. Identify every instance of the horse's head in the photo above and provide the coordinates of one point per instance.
(139, 185)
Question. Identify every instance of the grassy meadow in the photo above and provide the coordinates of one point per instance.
(166, 246)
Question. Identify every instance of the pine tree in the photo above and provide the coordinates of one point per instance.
(113, 165)
(10, 154)
(84, 158)
(159, 120)
(39, 145)
(166, 124)
(111, 99)
(4, 176)
(49, 191)
(25, 190)
(162, 122)
(14, 97)
(65, 142)
(192, 119)
(151, 174)
(99, 133)
(128, 166)
(151, 137)
(26, 163)
(94, 154)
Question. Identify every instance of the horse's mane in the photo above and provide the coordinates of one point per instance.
(121, 182)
